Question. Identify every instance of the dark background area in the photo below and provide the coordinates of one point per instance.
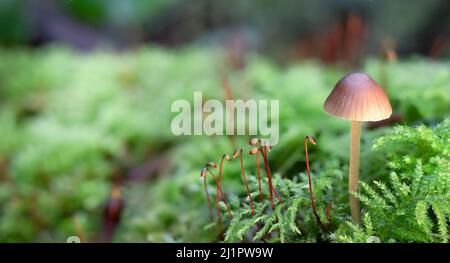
(325, 29)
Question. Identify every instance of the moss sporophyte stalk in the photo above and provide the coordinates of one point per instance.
(255, 150)
(313, 141)
(237, 153)
(203, 175)
(227, 158)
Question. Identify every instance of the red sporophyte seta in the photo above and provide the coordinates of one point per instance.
(214, 165)
(255, 151)
(313, 141)
(237, 153)
(264, 150)
(203, 173)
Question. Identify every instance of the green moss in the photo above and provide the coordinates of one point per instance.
(71, 122)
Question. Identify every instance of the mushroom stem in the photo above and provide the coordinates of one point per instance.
(353, 179)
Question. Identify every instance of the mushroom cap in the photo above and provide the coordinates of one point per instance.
(358, 97)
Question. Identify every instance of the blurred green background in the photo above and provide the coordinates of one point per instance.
(323, 28)
(86, 89)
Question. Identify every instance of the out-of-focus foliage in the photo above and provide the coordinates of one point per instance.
(277, 28)
(417, 88)
(72, 122)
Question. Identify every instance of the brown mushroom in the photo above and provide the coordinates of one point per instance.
(357, 97)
